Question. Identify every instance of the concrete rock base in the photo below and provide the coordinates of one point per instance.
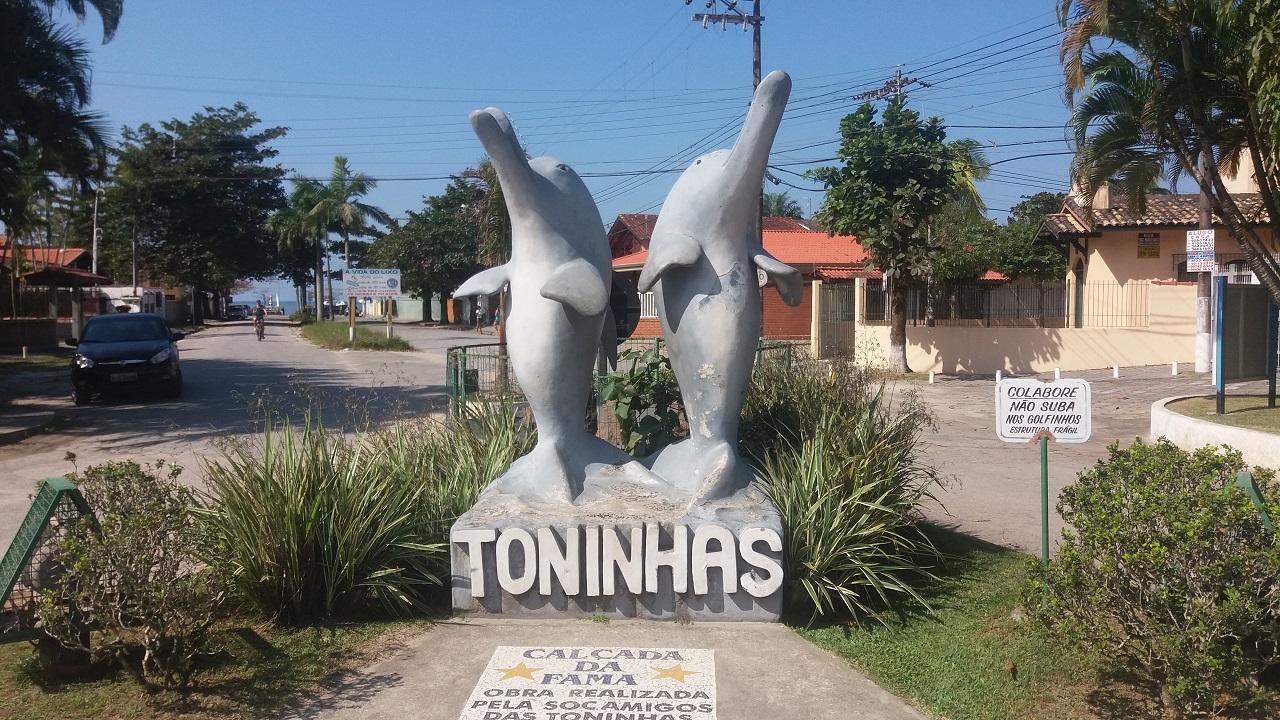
(622, 549)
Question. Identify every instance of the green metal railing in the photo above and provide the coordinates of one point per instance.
(57, 503)
(475, 372)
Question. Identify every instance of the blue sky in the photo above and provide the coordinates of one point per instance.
(628, 93)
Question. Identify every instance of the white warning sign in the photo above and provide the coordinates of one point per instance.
(1027, 407)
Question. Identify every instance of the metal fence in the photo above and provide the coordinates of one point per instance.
(836, 313)
(479, 372)
(1047, 305)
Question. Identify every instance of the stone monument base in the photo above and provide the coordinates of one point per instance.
(625, 548)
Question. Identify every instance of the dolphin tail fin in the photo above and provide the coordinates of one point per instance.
(786, 279)
(485, 282)
(670, 251)
(609, 338)
(578, 285)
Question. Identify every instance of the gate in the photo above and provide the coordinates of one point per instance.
(836, 317)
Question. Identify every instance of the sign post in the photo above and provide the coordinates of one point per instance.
(379, 283)
(1028, 410)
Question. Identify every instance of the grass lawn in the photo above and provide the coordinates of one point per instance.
(257, 669)
(333, 336)
(972, 661)
(13, 364)
(1247, 411)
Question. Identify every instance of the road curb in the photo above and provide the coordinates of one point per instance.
(20, 426)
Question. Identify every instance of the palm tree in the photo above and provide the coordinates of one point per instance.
(338, 206)
(297, 233)
(1179, 97)
(781, 205)
(969, 167)
(44, 90)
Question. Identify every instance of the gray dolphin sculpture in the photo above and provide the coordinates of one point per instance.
(559, 277)
(702, 267)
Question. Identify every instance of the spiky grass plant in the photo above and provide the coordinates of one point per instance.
(312, 525)
(840, 462)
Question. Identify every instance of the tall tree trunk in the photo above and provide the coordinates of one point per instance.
(319, 281)
(898, 326)
(328, 266)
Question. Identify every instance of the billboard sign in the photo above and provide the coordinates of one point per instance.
(371, 283)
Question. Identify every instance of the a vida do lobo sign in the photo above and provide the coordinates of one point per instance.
(1025, 408)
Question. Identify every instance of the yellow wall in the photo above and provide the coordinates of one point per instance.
(1170, 337)
(1113, 258)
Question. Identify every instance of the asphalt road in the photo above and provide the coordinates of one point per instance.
(991, 489)
(230, 378)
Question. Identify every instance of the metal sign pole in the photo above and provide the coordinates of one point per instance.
(1273, 348)
(1044, 498)
(1220, 372)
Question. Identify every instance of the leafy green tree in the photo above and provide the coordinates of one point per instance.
(781, 205)
(1177, 82)
(196, 195)
(1031, 209)
(435, 249)
(896, 175)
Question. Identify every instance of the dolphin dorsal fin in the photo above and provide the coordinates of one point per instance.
(786, 279)
(485, 282)
(669, 251)
(577, 284)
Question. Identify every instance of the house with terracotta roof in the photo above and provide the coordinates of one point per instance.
(1110, 242)
(820, 258)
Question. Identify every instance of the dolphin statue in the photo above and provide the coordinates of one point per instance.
(701, 266)
(557, 310)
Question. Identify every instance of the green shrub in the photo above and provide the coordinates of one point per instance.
(453, 461)
(786, 403)
(130, 574)
(1168, 569)
(312, 525)
(646, 401)
(840, 462)
(305, 528)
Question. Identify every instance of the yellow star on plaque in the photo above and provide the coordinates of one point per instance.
(518, 671)
(675, 672)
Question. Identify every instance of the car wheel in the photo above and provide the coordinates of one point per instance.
(80, 397)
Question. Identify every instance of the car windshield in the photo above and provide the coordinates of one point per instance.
(124, 329)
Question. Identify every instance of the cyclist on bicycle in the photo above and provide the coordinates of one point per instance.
(259, 319)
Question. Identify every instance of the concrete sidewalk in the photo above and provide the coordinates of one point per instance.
(763, 671)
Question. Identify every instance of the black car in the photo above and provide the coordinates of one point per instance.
(128, 351)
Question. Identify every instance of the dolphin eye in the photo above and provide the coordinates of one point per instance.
(698, 161)
(562, 167)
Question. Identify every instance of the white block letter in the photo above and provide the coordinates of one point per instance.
(565, 565)
(474, 540)
(760, 562)
(726, 558)
(677, 558)
(522, 584)
(614, 559)
(592, 535)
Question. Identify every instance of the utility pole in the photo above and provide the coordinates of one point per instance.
(97, 195)
(735, 16)
(1204, 284)
(893, 87)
